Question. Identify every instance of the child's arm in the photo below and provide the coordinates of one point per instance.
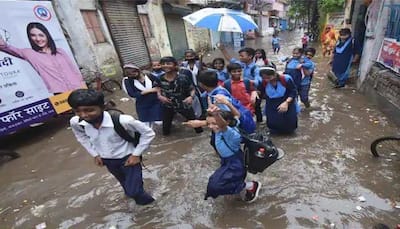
(81, 136)
(225, 52)
(221, 99)
(215, 111)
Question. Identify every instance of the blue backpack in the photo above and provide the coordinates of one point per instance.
(246, 118)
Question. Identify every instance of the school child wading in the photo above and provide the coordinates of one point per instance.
(229, 178)
(295, 66)
(140, 87)
(280, 105)
(250, 71)
(346, 52)
(241, 89)
(95, 129)
(307, 77)
(176, 93)
(209, 82)
(276, 47)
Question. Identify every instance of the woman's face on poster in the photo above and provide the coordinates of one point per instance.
(38, 37)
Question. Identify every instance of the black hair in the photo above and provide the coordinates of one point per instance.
(300, 50)
(233, 66)
(86, 97)
(262, 51)
(268, 72)
(227, 116)
(250, 51)
(168, 59)
(218, 59)
(345, 31)
(41, 27)
(311, 50)
(191, 51)
(209, 78)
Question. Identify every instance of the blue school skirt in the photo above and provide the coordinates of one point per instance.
(229, 178)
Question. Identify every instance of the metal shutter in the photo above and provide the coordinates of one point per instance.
(127, 33)
(177, 34)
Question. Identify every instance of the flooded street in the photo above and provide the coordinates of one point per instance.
(326, 168)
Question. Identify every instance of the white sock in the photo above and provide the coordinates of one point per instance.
(249, 185)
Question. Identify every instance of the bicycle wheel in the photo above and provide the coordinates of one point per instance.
(110, 85)
(386, 147)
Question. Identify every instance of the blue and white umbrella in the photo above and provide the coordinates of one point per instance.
(222, 19)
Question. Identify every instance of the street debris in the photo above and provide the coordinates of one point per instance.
(124, 99)
(361, 199)
(41, 226)
(359, 208)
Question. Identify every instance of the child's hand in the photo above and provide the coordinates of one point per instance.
(214, 109)
(164, 99)
(132, 160)
(98, 161)
(299, 66)
(283, 107)
(188, 100)
(221, 99)
(253, 97)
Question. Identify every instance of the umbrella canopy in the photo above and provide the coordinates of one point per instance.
(222, 19)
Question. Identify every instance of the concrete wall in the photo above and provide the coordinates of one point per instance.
(373, 41)
(198, 38)
(87, 54)
(159, 28)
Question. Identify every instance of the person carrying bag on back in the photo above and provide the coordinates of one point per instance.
(104, 135)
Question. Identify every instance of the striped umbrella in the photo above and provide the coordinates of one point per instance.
(222, 19)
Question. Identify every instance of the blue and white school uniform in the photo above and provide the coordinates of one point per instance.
(250, 71)
(229, 178)
(296, 74)
(342, 57)
(285, 122)
(306, 81)
(148, 106)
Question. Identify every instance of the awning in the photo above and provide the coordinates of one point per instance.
(170, 8)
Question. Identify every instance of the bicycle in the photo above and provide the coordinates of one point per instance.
(96, 80)
(386, 147)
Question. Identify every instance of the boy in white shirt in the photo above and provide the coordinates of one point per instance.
(94, 129)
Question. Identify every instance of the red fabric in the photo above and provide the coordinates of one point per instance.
(239, 92)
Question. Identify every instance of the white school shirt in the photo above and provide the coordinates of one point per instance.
(105, 142)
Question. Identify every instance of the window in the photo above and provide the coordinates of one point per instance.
(144, 20)
(393, 26)
(92, 23)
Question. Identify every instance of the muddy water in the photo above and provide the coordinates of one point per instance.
(327, 167)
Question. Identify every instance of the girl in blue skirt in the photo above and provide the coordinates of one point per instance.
(229, 178)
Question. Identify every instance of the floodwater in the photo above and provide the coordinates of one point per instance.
(326, 168)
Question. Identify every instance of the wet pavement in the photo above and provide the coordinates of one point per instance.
(326, 169)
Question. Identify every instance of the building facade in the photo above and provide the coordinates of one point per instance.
(376, 23)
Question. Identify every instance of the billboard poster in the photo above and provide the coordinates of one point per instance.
(389, 54)
(37, 68)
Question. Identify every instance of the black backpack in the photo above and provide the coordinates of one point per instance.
(253, 144)
(121, 131)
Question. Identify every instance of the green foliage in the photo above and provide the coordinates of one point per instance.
(331, 5)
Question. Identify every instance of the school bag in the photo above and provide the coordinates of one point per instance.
(119, 129)
(259, 152)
